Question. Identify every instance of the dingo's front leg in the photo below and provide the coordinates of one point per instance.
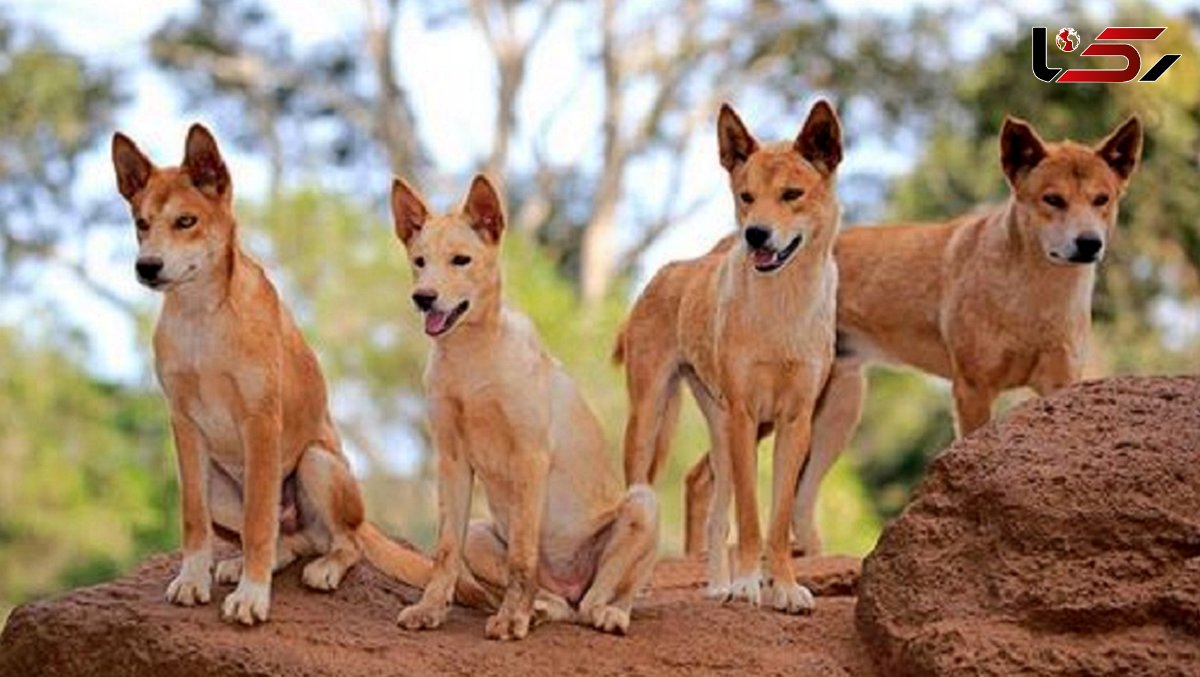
(525, 524)
(455, 481)
(791, 446)
(193, 584)
(250, 602)
(743, 462)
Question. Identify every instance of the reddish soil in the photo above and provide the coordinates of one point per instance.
(1065, 540)
(125, 628)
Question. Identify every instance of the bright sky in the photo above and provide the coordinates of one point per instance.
(455, 126)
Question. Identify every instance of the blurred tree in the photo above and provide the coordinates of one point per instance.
(1149, 284)
(55, 107)
(339, 104)
(87, 487)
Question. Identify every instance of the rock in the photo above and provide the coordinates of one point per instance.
(125, 628)
(1063, 540)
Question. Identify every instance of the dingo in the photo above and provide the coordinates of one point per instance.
(502, 409)
(258, 455)
(991, 300)
(750, 327)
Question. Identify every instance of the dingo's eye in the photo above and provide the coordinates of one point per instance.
(1055, 200)
(792, 194)
(746, 198)
(419, 262)
(184, 222)
(1100, 200)
(460, 260)
(142, 225)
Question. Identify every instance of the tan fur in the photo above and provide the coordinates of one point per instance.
(754, 345)
(246, 395)
(563, 532)
(988, 300)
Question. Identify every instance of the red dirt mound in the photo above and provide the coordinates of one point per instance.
(124, 628)
(1064, 541)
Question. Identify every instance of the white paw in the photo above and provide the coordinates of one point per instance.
(790, 597)
(422, 616)
(748, 588)
(610, 619)
(550, 608)
(324, 573)
(193, 585)
(248, 604)
(717, 591)
(229, 571)
(718, 575)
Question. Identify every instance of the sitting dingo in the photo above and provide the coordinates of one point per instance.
(258, 455)
(750, 327)
(503, 410)
(990, 300)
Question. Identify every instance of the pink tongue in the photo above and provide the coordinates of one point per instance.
(435, 321)
(763, 257)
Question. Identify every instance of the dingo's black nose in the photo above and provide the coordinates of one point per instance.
(1087, 247)
(424, 299)
(149, 268)
(757, 236)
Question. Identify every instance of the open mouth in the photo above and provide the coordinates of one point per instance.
(438, 322)
(767, 259)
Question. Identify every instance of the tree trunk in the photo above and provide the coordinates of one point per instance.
(598, 252)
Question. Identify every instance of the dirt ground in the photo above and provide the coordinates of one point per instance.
(125, 628)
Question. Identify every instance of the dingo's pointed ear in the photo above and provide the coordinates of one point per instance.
(203, 164)
(1122, 150)
(1021, 149)
(820, 141)
(408, 211)
(133, 168)
(485, 210)
(734, 140)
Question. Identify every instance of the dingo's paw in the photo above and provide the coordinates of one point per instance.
(790, 597)
(249, 603)
(610, 619)
(229, 571)
(422, 616)
(324, 573)
(193, 585)
(508, 623)
(748, 588)
(550, 608)
(807, 543)
(717, 591)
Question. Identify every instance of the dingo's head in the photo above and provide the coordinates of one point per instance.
(1065, 194)
(784, 193)
(455, 257)
(184, 215)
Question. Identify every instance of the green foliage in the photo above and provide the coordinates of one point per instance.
(54, 107)
(1153, 262)
(87, 485)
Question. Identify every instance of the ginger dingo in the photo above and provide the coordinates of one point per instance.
(750, 327)
(259, 458)
(991, 300)
(503, 410)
